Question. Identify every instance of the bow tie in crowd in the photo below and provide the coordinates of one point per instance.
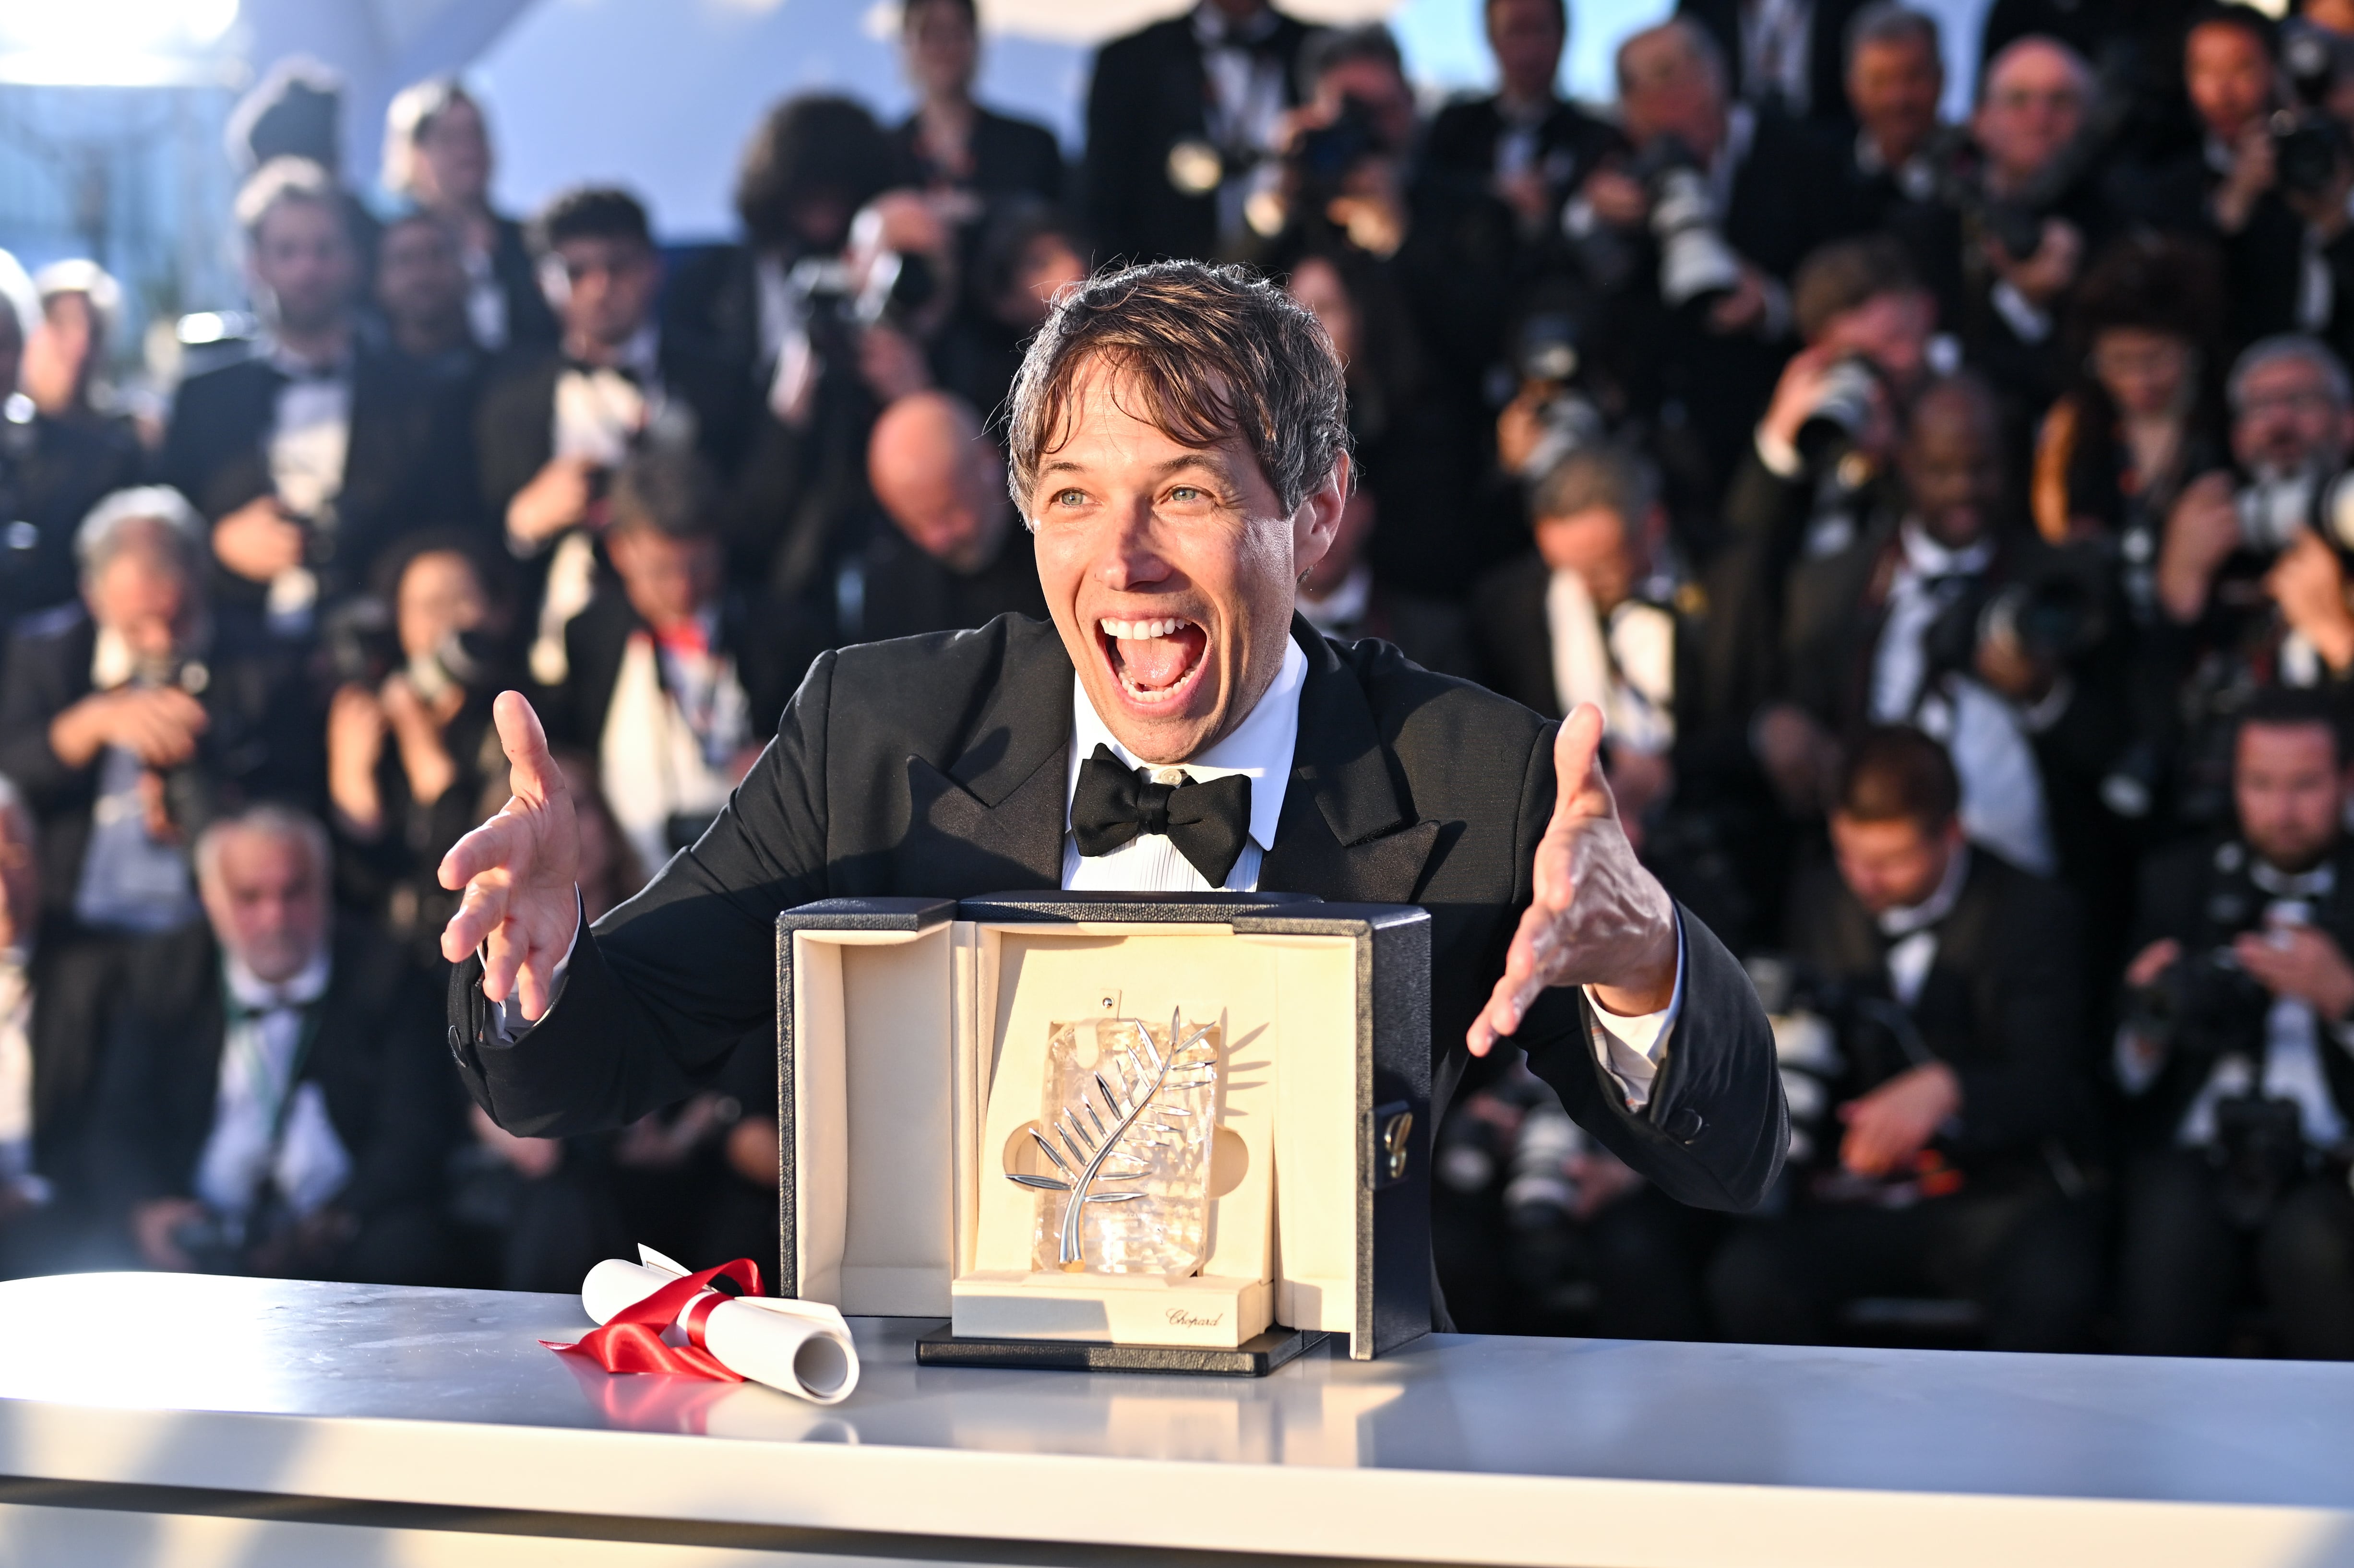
(1207, 820)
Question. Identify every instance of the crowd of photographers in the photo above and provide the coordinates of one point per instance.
(1951, 520)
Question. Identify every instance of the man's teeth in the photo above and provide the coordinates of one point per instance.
(1141, 630)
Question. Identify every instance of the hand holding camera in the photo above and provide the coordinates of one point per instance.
(2201, 531)
(2300, 962)
(158, 725)
(559, 496)
(2308, 583)
(260, 539)
(2047, 272)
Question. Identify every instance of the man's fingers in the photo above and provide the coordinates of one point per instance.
(525, 742)
(1577, 775)
(495, 845)
(1527, 971)
(480, 914)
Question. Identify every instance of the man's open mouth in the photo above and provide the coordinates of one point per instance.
(1155, 659)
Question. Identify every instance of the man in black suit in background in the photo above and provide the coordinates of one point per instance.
(273, 1102)
(1178, 116)
(1949, 981)
(950, 143)
(945, 766)
(313, 457)
(1788, 56)
(1525, 140)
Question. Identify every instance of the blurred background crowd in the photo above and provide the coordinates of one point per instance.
(1950, 516)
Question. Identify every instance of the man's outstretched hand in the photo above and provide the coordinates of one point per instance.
(1597, 917)
(518, 870)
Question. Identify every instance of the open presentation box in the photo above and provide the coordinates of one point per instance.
(911, 1038)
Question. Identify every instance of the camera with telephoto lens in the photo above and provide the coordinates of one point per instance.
(2051, 618)
(2276, 507)
(836, 308)
(1696, 265)
(2204, 1005)
(1548, 354)
(1322, 158)
(1842, 413)
(2310, 144)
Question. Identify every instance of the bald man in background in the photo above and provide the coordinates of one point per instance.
(955, 555)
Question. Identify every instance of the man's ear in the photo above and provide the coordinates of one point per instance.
(1318, 518)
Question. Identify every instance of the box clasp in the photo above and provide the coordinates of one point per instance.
(1392, 1141)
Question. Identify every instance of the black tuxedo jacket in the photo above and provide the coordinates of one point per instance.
(1826, 52)
(906, 593)
(1570, 143)
(405, 468)
(2003, 1004)
(374, 1060)
(52, 471)
(596, 640)
(1010, 158)
(1149, 93)
(530, 323)
(265, 739)
(935, 766)
(515, 422)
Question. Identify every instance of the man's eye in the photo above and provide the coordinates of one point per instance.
(1187, 493)
(1071, 498)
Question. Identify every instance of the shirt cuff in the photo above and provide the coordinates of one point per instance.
(1632, 1050)
(1780, 458)
(2031, 325)
(511, 1025)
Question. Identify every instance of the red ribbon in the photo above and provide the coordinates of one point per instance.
(631, 1341)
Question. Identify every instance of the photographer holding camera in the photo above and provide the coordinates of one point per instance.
(1929, 1141)
(2238, 1056)
(1696, 235)
(2270, 181)
(130, 719)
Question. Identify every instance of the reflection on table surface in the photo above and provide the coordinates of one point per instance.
(2269, 1432)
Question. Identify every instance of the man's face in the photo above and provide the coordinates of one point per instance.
(1894, 87)
(1670, 91)
(608, 291)
(1381, 91)
(1953, 469)
(303, 258)
(941, 47)
(2288, 418)
(2290, 793)
(419, 280)
(669, 580)
(142, 593)
(1892, 331)
(1892, 865)
(2229, 77)
(1169, 569)
(20, 878)
(1599, 546)
(2034, 106)
(1048, 265)
(439, 596)
(455, 153)
(1526, 37)
(268, 903)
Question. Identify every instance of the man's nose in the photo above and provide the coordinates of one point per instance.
(1130, 557)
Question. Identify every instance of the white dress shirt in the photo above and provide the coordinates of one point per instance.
(1630, 1049)
(257, 1131)
(1624, 664)
(131, 882)
(1912, 930)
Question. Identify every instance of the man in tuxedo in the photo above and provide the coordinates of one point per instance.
(1788, 56)
(1703, 364)
(1179, 447)
(1179, 115)
(553, 425)
(315, 455)
(273, 1102)
(953, 557)
(130, 717)
(1948, 979)
(2241, 1099)
(1524, 142)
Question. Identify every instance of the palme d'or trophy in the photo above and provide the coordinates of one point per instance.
(1120, 1155)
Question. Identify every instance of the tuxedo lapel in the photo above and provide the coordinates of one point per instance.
(993, 821)
(1347, 833)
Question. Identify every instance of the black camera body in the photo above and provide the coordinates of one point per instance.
(836, 308)
(2204, 1005)
(2053, 617)
(1322, 158)
(2308, 149)
(1697, 267)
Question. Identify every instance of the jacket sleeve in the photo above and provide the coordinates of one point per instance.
(26, 708)
(659, 991)
(2026, 1082)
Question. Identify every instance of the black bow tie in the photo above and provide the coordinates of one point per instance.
(1208, 820)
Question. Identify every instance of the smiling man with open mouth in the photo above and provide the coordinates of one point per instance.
(1178, 443)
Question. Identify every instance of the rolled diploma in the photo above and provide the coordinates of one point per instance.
(801, 1348)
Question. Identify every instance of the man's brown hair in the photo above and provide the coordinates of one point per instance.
(1837, 277)
(1206, 352)
(1894, 773)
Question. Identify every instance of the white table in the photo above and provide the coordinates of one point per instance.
(188, 1420)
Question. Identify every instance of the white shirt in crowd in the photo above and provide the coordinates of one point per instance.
(258, 1133)
(310, 440)
(131, 881)
(677, 721)
(1912, 930)
(1624, 664)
